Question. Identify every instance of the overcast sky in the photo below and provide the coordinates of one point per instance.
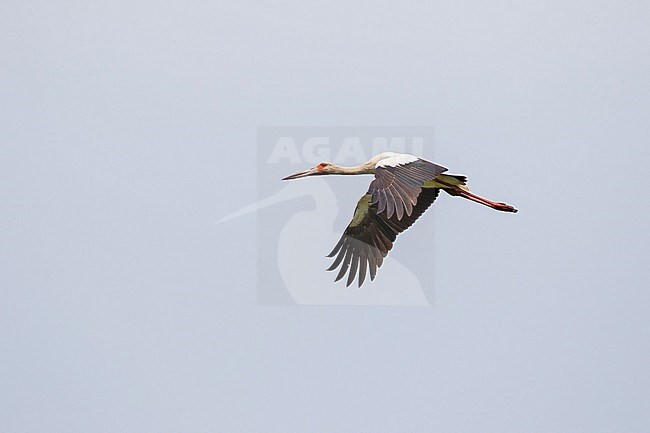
(127, 128)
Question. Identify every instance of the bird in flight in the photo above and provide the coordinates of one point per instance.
(403, 188)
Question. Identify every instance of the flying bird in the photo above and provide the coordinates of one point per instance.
(403, 188)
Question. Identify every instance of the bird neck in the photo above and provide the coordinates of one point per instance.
(357, 169)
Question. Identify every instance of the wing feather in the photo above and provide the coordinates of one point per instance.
(346, 263)
(370, 235)
(398, 183)
(363, 262)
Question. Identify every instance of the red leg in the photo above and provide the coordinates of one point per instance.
(481, 200)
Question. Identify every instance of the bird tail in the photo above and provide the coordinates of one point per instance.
(447, 181)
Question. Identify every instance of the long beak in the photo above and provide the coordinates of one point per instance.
(311, 172)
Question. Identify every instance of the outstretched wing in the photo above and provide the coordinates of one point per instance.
(370, 236)
(398, 183)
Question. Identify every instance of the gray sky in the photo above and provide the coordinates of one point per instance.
(129, 128)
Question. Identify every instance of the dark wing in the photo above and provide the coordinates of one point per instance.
(397, 185)
(370, 236)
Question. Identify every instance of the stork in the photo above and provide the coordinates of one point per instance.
(403, 188)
